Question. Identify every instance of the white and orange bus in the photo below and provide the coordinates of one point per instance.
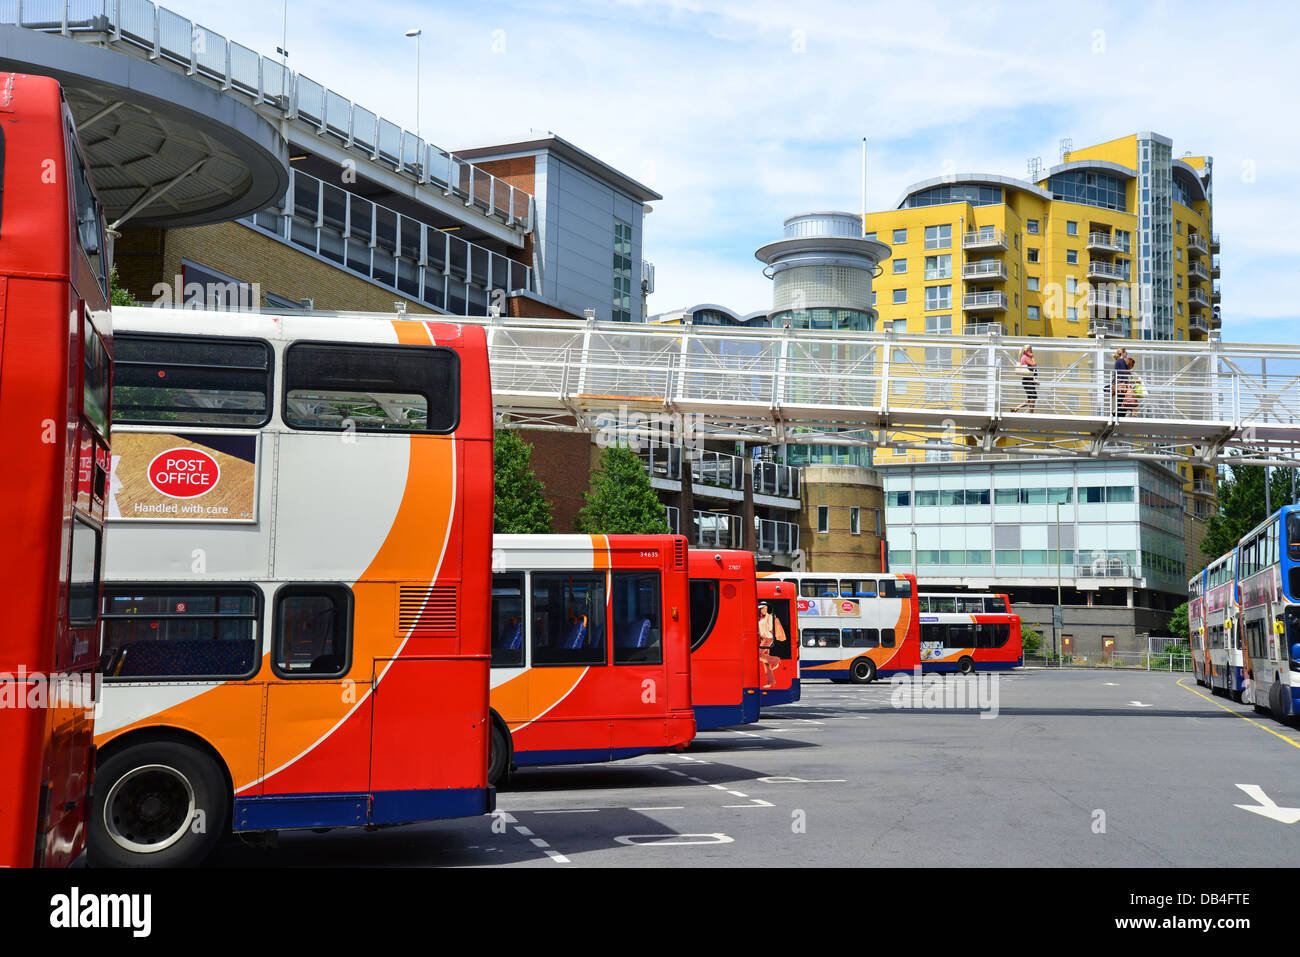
(855, 627)
(967, 632)
(724, 638)
(591, 656)
(55, 349)
(297, 579)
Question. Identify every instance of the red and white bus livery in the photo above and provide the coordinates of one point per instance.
(724, 638)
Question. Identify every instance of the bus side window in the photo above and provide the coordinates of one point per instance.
(312, 631)
(568, 618)
(638, 638)
(887, 637)
(507, 621)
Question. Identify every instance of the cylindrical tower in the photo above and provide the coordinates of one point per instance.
(821, 273)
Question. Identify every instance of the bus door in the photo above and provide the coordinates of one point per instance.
(778, 641)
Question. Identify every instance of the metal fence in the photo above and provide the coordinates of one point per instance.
(1117, 661)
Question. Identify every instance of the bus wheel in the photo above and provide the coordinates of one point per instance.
(499, 755)
(966, 666)
(863, 671)
(161, 804)
(1275, 703)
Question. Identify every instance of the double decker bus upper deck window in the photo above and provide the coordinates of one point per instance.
(177, 380)
(90, 223)
(371, 388)
(94, 396)
(1293, 536)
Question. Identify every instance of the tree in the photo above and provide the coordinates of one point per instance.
(520, 506)
(118, 296)
(1030, 640)
(1178, 623)
(621, 500)
(1241, 505)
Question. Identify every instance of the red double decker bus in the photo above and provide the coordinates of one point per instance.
(591, 652)
(55, 348)
(724, 639)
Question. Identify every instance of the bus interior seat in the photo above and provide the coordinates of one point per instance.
(635, 634)
(577, 635)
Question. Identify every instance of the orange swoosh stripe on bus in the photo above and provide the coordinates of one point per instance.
(512, 700)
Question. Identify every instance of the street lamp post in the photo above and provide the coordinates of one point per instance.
(1059, 613)
(416, 33)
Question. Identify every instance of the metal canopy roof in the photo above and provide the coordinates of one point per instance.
(163, 150)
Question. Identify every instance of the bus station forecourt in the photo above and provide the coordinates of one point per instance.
(532, 700)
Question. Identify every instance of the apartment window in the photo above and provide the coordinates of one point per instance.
(871, 236)
(938, 267)
(855, 521)
(1178, 226)
(900, 236)
(938, 297)
(1031, 255)
(900, 266)
(1071, 284)
(1178, 280)
(1031, 283)
(1178, 254)
(823, 518)
(1071, 228)
(1072, 314)
(940, 325)
(873, 297)
(879, 530)
(1031, 227)
(900, 297)
(1031, 312)
(1180, 308)
(900, 325)
(1072, 256)
(938, 237)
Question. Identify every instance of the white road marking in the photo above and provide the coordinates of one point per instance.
(671, 840)
(719, 787)
(539, 842)
(1267, 807)
(504, 816)
(756, 802)
(1139, 704)
(577, 810)
(790, 780)
(674, 807)
(687, 757)
(737, 794)
(557, 857)
(526, 832)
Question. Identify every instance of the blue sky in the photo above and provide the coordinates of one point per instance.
(743, 113)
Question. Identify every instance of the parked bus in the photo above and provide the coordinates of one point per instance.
(1268, 573)
(724, 638)
(1221, 660)
(779, 640)
(967, 632)
(591, 657)
(297, 579)
(55, 348)
(1196, 630)
(856, 627)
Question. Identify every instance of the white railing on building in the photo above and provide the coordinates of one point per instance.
(721, 470)
(160, 34)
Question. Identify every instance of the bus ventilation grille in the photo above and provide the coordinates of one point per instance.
(679, 553)
(424, 611)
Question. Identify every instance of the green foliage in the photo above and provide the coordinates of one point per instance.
(1030, 640)
(622, 500)
(1178, 622)
(117, 295)
(1174, 657)
(1241, 505)
(519, 506)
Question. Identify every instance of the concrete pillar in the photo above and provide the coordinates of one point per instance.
(1130, 597)
(686, 500)
(747, 512)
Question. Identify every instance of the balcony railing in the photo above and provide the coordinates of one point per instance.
(1214, 243)
(1215, 295)
(1098, 269)
(160, 34)
(984, 302)
(985, 239)
(723, 470)
(1214, 267)
(1105, 305)
(1107, 568)
(1202, 486)
(985, 329)
(777, 538)
(1104, 242)
(1197, 245)
(1112, 328)
(1197, 297)
(709, 529)
(647, 276)
(995, 270)
(1197, 322)
(405, 254)
(1196, 271)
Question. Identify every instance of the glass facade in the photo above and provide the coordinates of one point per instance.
(1118, 520)
(972, 193)
(1155, 239)
(1091, 189)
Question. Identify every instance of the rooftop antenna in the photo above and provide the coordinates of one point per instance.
(1035, 168)
(864, 186)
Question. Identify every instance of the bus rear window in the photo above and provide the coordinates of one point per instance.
(191, 380)
(704, 609)
(94, 396)
(159, 633)
(371, 388)
(1293, 536)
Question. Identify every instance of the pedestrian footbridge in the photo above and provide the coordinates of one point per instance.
(1201, 402)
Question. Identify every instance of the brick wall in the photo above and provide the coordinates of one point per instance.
(563, 461)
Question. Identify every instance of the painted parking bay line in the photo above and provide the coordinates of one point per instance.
(672, 840)
(1290, 741)
(791, 780)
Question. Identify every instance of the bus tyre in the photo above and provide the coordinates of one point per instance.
(498, 753)
(966, 666)
(161, 804)
(1275, 702)
(862, 671)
